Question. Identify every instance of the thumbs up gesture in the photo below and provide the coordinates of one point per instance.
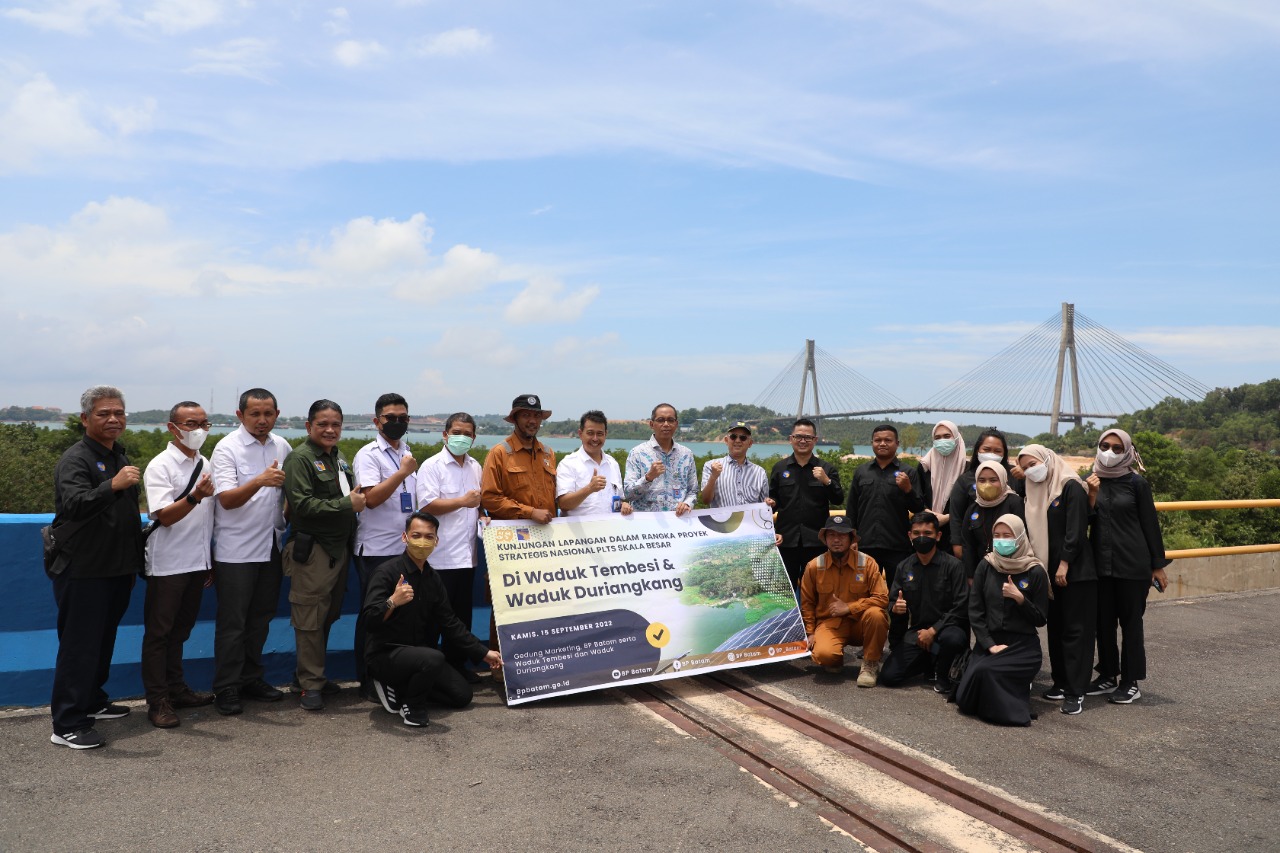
(598, 482)
(900, 606)
(1010, 590)
(273, 476)
(403, 593)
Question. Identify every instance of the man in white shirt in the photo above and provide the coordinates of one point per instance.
(385, 475)
(178, 562)
(589, 481)
(733, 481)
(248, 523)
(449, 489)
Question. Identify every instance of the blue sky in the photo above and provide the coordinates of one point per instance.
(613, 204)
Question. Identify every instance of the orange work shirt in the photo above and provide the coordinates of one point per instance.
(857, 581)
(516, 481)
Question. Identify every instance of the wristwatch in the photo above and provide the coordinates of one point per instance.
(391, 604)
(191, 499)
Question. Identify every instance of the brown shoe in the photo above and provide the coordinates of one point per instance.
(161, 715)
(188, 698)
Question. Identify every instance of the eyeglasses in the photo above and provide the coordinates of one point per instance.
(795, 437)
(665, 420)
(395, 419)
(739, 437)
(190, 425)
(1117, 447)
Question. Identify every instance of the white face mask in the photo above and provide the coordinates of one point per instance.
(1038, 474)
(193, 439)
(1109, 458)
(990, 457)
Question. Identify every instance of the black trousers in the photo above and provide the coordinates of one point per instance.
(1122, 604)
(458, 585)
(420, 675)
(365, 565)
(887, 560)
(906, 659)
(248, 596)
(89, 612)
(170, 609)
(1073, 623)
(795, 559)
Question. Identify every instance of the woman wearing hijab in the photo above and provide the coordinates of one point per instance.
(992, 446)
(1008, 602)
(1128, 551)
(940, 468)
(1058, 526)
(992, 499)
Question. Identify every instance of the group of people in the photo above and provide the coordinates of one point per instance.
(977, 545)
(899, 563)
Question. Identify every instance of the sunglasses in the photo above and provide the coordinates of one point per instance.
(1117, 447)
(739, 437)
(395, 419)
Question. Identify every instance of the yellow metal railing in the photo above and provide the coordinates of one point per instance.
(1185, 553)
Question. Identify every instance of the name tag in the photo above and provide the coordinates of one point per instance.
(406, 502)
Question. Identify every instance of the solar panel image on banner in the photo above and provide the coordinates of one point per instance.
(784, 627)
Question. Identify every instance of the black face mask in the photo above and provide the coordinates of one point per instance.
(924, 544)
(394, 430)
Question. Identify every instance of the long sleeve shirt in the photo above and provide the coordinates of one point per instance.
(677, 484)
(856, 580)
(419, 622)
(803, 502)
(318, 504)
(990, 611)
(109, 541)
(517, 480)
(1125, 533)
(1068, 518)
(880, 510)
(937, 593)
(976, 523)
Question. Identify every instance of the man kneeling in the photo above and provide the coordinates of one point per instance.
(842, 600)
(405, 610)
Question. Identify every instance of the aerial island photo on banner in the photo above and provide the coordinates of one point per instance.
(595, 602)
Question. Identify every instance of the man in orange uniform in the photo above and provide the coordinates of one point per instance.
(842, 600)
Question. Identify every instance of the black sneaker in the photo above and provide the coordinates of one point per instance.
(1054, 694)
(942, 684)
(1101, 685)
(331, 688)
(83, 739)
(413, 718)
(1072, 705)
(386, 696)
(110, 712)
(227, 702)
(311, 701)
(260, 690)
(1125, 694)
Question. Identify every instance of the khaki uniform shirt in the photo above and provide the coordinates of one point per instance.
(857, 582)
(516, 481)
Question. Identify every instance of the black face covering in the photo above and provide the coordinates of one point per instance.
(394, 430)
(924, 544)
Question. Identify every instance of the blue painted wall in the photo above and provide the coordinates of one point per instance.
(28, 627)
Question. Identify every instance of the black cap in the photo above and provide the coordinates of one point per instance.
(530, 402)
(839, 524)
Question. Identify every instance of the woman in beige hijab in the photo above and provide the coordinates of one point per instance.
(1058, 526)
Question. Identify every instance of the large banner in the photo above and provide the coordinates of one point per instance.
(605, 600)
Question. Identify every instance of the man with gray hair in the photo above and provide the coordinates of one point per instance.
(99, 552)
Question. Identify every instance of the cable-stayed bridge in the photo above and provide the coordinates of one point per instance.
(1067, 369)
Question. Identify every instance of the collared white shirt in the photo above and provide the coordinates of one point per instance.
(182, 547)
(739, 483)
(381, 527)
(577, 469)
(443, 476)
(245, 534)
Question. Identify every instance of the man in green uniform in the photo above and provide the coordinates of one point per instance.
(322, 508)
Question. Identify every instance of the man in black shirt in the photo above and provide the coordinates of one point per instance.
(928, 610)
(882, 497)
(99, 537)
(803, 488)
(405, 610)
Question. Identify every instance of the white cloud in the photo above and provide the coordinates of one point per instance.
(543, 301)
(169, 17)
(75, 17)
(455, 42)
(180, 16)
(364, 247)
(243, 57)
(592, 347)
(40, 121)
(486, 346)
(353, 54)
(339, 22)
(463, 270)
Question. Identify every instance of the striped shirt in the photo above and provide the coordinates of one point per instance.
(739, 483)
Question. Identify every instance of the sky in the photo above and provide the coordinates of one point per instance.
(616, 204)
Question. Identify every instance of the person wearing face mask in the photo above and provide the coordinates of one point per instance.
(449, 489)
(992, 499)
(1058, 526)
(939, 469)
(928, 610)
(178, 562)
(588, 480)
(406, 611)
(1128, 549)
(1008, 602)
(992, 446)
(323, 502)
(385, 472)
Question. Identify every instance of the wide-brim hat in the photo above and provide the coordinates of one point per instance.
(837, 524)
(528, 402)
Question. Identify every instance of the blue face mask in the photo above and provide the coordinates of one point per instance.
(459, 444)
(1005, 547)
(945, 446)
